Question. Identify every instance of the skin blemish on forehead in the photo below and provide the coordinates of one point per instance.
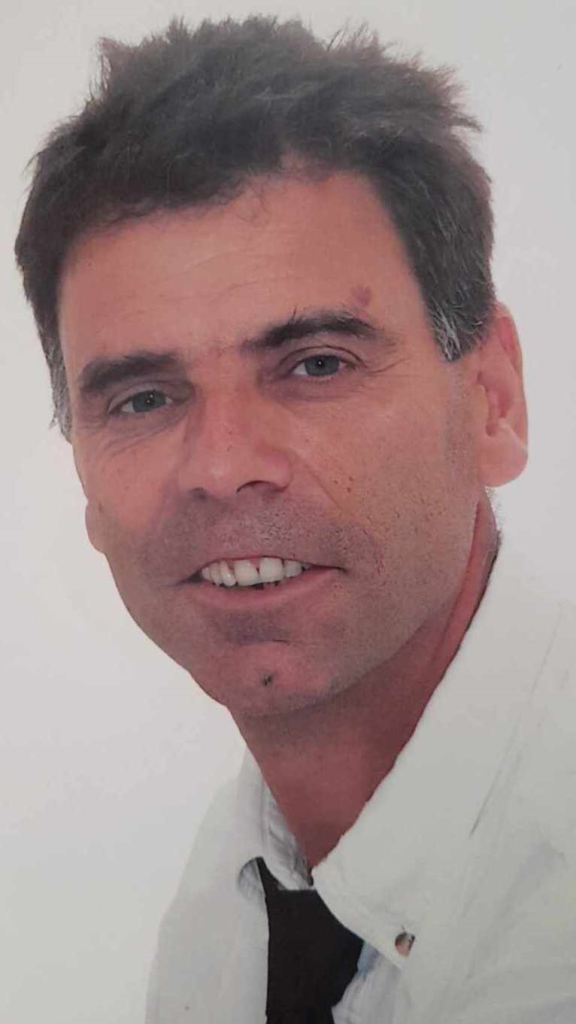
(361, 295)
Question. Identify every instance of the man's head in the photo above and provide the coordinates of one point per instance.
(288, 246)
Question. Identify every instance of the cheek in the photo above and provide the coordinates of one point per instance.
(412, 464)
(372, 467)
(123, 504)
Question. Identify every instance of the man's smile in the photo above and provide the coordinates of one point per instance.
(303, 585)
(250, 572)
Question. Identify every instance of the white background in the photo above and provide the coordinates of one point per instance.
(109, 753)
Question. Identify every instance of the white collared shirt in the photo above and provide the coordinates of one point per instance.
(469, 844)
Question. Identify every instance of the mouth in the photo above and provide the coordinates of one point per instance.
(259, 595)
(250, 571)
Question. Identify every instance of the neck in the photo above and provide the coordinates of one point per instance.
(325, 763)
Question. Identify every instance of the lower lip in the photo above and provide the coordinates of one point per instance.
(247, 598)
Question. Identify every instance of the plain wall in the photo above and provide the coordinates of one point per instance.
(109, 753)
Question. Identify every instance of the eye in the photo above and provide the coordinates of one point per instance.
(142, 402)
(322, 365)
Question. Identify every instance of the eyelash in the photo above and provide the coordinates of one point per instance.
(116, 410)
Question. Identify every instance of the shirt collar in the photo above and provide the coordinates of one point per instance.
(261, 831)
(380, 877)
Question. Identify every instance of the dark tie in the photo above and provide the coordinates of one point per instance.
(311, 956)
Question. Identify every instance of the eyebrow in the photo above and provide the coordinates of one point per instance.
(101, 373)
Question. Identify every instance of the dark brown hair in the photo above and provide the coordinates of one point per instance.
(190, 116)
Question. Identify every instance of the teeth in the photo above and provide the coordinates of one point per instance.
(245, 573)
(216, 573)
(228, 577)
(271, 569)
(294, 568)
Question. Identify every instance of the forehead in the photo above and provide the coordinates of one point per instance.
(213, 273)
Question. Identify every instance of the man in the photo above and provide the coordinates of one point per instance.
(260, 268)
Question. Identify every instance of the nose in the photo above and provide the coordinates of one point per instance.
(235, 440)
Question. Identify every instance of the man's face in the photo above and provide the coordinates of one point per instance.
(308, 415)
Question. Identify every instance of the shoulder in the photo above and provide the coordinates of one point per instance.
(547, 755)
(516, 923)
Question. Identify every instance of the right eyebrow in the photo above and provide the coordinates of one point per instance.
(101, 373)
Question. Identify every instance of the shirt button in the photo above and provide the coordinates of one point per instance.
(404, 943)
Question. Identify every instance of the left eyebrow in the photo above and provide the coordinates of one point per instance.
(101, 373)
(301, 325)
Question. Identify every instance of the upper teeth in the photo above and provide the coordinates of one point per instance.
(246, 573)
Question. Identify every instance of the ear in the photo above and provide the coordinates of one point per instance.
(91, 520)
(501, 419)
(90, 516)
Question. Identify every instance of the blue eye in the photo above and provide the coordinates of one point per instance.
(143, 401)
(320, 363)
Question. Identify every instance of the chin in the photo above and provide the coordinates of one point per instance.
(263, 682)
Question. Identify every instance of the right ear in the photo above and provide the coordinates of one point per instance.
(92, 527)
(90, 516)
